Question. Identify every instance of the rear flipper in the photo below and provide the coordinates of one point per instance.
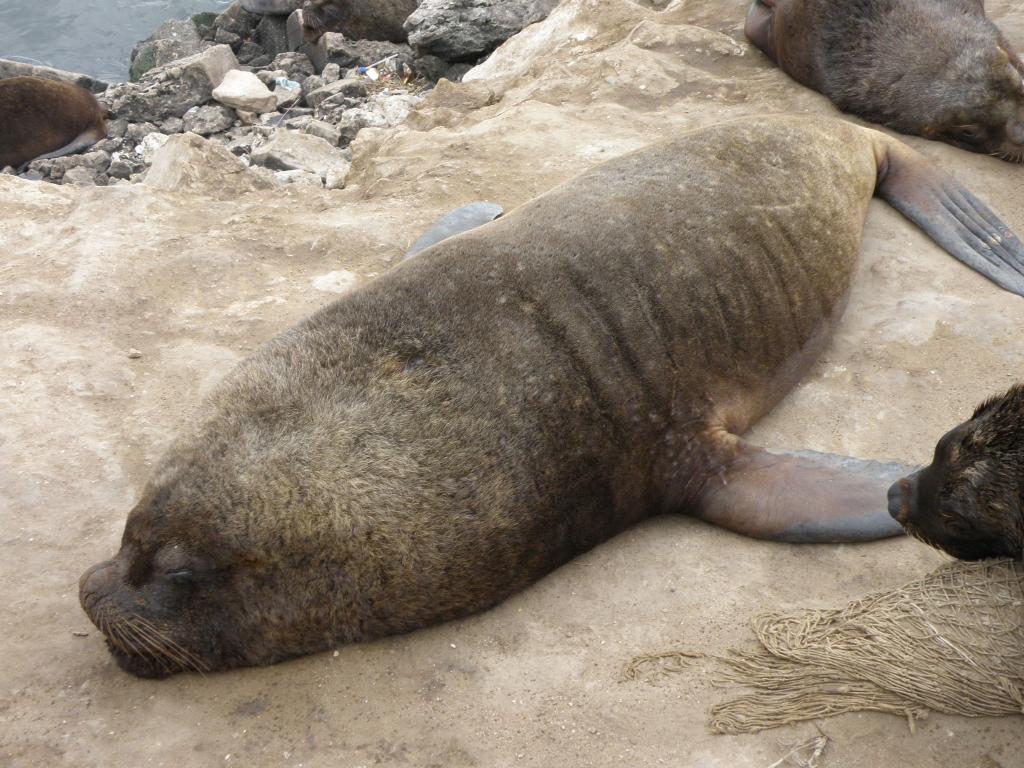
(81, 142)
(758, 27)
(455, 223)
(801, 496)
(953, 217)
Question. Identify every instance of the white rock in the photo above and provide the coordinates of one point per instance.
(243, 90)
(149, 145)
(188, 161)
(336, 177)
(299, 177)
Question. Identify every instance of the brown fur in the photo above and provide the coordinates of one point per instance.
(935, 68)
(445, 435)
(38, 116)
(357, 19)
(968, 501)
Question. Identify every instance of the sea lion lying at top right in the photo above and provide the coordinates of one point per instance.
(935, 68)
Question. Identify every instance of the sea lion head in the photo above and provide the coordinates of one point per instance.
(315, 21)
(968, 500)
(230, 558)
(986, 112)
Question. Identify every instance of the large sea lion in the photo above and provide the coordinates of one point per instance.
(46, 118)
(512, 396)
(357, 19)
(935, 68)
(968, 501)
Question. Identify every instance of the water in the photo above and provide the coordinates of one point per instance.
(90, 36)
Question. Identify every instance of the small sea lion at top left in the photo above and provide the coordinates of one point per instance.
(968, 501)
(357, 19)
(41, 118)
(934, 68)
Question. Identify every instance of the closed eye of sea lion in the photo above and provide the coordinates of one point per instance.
(357, 19)
(968, 500)
(935, 68)
(516, 394)
(42, 118)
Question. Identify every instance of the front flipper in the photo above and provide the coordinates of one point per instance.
(953, 217)
(454, 223)
(800, 496)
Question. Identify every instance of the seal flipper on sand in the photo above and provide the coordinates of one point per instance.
(455, 222)
(953, 217)
(801, 496)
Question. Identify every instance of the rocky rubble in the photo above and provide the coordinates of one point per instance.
(248, 80)
(231, 78)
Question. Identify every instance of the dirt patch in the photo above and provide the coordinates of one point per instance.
(193, 284)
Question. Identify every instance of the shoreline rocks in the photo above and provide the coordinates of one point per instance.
(247, 80)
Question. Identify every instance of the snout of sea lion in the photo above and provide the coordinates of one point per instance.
(967, 502)
(935, 68)
(46, 118)
(516, 394)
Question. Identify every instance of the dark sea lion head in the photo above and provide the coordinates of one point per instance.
(982, 108)
(967, 502)
(231, 557)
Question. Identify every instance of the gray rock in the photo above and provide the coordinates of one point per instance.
(208, 119)
(138, 131)
(287, 97)
(80, 176)
(172, 40)
(461, 30)
(258, 62)
(172, 125)
(333, 48)
(296, 66)
(354, 120)
(271, 7)
(288, 150)
(204, 24)
(268, 76)
(107, 145)
(325, 131)
(331, 73)
(310, 84)
(352, 88)
(237, 21)
(224, 37)
(243, 90)
(293, 29)
(116, 128)
(10, 68)
(241, 145)
(123, 166)
(430, 67)
(172, 89)
(272, 35)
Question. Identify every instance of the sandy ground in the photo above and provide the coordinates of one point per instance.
(195, 283)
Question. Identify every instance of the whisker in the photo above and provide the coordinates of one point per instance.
(158, 644)
(195, 661)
